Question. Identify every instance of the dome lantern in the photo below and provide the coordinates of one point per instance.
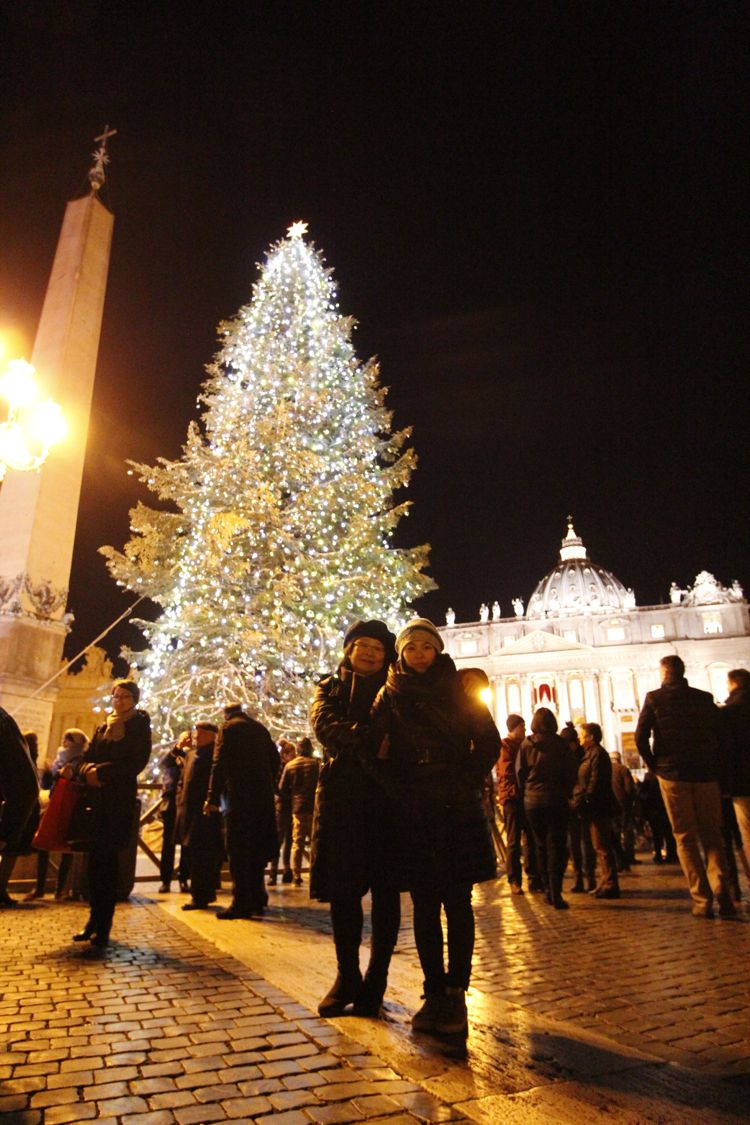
(578, 586)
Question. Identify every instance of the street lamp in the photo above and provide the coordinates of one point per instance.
(32, 427)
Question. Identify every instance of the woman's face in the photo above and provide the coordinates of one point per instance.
(122, 701)
(418, 655)
(367, 656)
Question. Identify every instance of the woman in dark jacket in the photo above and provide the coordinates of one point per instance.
(546, 768)
(440, 744)
(350, 822)
(110, 765)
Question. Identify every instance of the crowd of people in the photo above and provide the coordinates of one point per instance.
(407, 796)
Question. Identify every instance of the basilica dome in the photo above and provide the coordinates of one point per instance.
(578, 586)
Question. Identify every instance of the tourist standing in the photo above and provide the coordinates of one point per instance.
(678, 736)
(109, 768)
(297, 791)
(440, 744)
(244, 772)
(352, 825)
(547, 769)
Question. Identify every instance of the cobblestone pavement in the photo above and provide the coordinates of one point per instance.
(631, 1010)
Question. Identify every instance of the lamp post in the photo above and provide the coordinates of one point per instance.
(32, 427)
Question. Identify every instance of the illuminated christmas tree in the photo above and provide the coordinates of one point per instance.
(281, 512)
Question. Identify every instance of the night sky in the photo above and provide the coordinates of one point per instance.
(534, 211)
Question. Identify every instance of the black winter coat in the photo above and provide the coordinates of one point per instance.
(119, 764)
(686, 728)
(546, 768)
(192, 826)
(245, 770)
(736, 722)
(349, 836)
(593, 796)
(441, 744)
(19, 788)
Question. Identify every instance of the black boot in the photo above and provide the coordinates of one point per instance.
(88, 931)
(370, 997)
(344, 991)
(577, 887)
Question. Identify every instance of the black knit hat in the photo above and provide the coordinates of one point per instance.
(377, 630)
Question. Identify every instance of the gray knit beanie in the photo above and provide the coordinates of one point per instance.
(419, 629)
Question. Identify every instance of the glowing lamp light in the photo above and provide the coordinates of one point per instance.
(31, 428)
(486, 696)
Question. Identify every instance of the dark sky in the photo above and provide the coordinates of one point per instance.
(534, 210)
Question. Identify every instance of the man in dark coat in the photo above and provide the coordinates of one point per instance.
(244, 771)
(736, 720)
(297, 792)
(510, 800)
(594, 802)
(19, 796)
(685, 726)
(623, 824)
(199, 835)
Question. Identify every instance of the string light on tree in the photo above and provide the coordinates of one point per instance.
(282, 511)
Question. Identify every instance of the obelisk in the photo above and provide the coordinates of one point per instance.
(39, 510)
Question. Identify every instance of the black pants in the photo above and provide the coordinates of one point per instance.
(203, 861)
(517, 833)
(166, 860)
(549, 823)
(347, 920)
(428, 934)
(103, 868)
(249, 891)
(581, 849)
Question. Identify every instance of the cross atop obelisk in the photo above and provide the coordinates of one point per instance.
(100, 158)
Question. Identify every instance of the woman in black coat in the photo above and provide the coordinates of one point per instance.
(109, 768)
(547, 769)
(349, 835)
(440, 744)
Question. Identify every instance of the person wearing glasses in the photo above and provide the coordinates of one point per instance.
(350, 836)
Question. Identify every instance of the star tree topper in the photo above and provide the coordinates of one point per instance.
(296, 230)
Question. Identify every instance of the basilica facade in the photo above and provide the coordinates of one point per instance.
(585, 649)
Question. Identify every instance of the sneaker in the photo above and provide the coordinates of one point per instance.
(453, 1018)
(427, 1017)
(516, 889)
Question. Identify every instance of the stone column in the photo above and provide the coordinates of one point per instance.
(39, 511)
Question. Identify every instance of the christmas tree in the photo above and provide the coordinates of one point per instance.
(281, 512)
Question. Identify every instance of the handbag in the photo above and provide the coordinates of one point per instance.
(81, 827)
(52, 833)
